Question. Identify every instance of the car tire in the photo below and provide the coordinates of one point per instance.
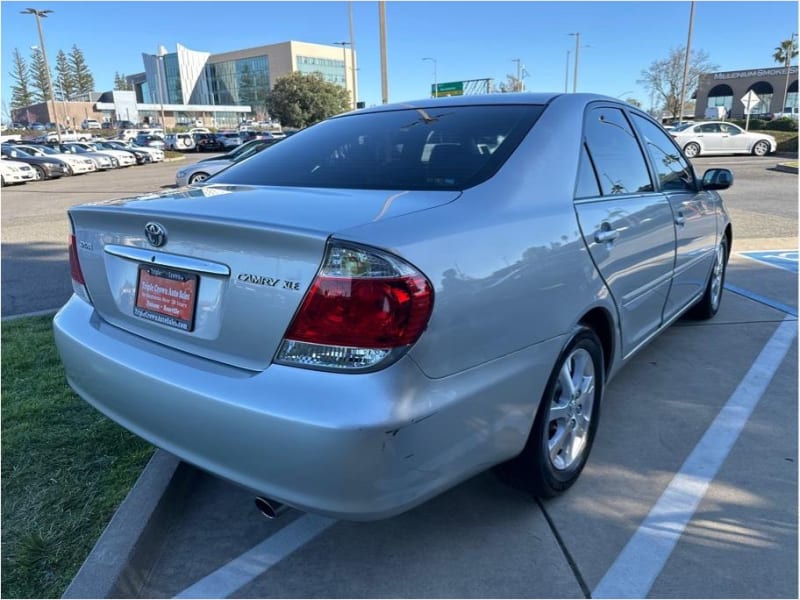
(563, 431)
(691, 150)
(39, 174)
(198, 177)
(708, 305)
(761, 148)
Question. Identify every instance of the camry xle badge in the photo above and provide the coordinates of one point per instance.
(156, 234)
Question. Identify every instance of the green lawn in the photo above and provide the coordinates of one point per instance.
(65, 467)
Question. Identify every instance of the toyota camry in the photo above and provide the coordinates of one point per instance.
(395, 299)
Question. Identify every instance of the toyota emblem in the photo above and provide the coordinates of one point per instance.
(156, 234)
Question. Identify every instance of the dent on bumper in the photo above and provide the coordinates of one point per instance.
(358, 447)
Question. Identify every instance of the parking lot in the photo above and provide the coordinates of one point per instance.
(691, 489)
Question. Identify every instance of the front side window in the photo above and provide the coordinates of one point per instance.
(438, 148)
(674, 172)
(617, 157)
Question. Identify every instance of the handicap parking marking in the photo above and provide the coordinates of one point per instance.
(782, 259)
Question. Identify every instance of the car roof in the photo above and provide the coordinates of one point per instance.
(484, 100)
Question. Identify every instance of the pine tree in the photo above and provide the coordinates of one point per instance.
(38, 77)
(21, 94)
(82, 77)
(120, 82)
(64, 84)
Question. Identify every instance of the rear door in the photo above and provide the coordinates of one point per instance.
(626, 224)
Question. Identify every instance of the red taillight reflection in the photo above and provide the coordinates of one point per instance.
(74, 265)
(364, 312)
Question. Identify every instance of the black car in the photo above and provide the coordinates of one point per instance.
(243, 149)
(45, 168)
(207, 142)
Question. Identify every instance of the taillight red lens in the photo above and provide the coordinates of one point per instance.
(385, 312)
(74, 264)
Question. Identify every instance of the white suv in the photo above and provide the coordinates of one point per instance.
(91, 124)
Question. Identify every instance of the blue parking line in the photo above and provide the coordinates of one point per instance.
(783, 259)
(784, 308)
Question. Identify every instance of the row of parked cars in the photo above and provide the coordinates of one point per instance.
(203, 140)
(35, 161)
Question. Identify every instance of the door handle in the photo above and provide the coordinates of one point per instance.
(680, 220)
(606, 234)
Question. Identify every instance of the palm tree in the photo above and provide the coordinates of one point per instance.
(784, 54)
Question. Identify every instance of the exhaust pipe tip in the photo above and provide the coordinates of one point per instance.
(270, 508)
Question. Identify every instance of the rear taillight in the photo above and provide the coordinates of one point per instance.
(78, 282)
(363, 311)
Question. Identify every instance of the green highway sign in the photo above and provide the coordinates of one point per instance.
(452, 88)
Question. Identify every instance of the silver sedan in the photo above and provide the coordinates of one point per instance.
(719, 137)
(388, 302)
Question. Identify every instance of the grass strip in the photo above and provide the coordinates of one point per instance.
(65, 467)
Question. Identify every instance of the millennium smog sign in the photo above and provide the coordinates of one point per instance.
(754, 73)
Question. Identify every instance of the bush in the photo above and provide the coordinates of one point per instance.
(785, 124)
(754, 123)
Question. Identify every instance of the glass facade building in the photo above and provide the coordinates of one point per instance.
(242, 81)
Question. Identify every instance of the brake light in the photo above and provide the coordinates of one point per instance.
(363, 311)
(78, 282)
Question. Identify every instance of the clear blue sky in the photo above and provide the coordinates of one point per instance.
(470, 40)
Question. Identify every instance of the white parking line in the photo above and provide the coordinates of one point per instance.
(258, 560)
(641, 561)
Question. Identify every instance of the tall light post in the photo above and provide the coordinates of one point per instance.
(39, 15)
(575, 70)
(566, 72)
(435, 77)
(788, 68)
(160, 54)
(353, 65)
(686, 65)
(344, 46)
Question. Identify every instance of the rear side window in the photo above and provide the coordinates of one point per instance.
(617, 157)
(438, 148)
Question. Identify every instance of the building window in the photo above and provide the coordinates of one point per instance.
(721, 95)
(764, 91)
(244, 81)
(331, 70)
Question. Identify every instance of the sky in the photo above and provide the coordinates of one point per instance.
(469, 40)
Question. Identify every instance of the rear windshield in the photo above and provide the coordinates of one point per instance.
(438, 148)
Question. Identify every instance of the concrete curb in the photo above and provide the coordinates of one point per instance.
(38, 313)
(786, 168)
(119, 563)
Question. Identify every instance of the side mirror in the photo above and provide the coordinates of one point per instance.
(717, 179)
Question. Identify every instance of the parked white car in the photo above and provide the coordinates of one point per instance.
(124, 159)
(14, 171)
(229, 139)
(75, 165)
(180, 141)
(718, 137)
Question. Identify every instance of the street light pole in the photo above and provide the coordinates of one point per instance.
(435, 77)
(566, 72)
(344, 63)
(575, 71)
(353, 65)
(162, 52)
(686, 65)
(40, 14)
(788, 68)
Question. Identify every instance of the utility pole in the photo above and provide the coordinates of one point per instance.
(435, 77)
(352, 51)
(518, 86)
(566, 73)
(686, 63)
(40, 14)
(384, 74)
(788, 68)
(344, 64)
(577, 52)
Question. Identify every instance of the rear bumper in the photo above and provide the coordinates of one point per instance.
(358, 447)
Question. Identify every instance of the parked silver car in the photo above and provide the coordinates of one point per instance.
(388, 302)
(719, 137)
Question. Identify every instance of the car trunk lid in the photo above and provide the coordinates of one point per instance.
(224, 268)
